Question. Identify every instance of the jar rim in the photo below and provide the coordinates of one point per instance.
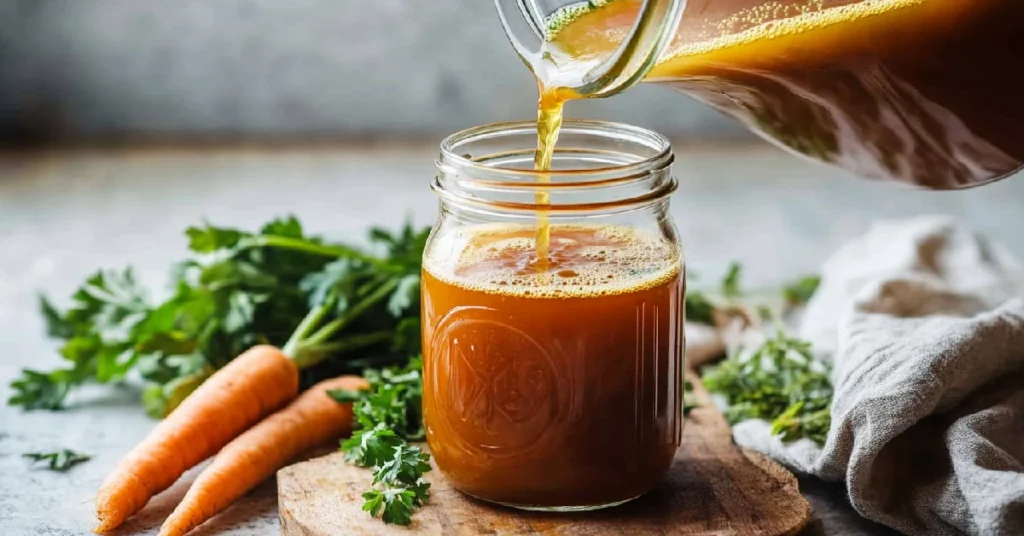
(662, 158)
(621, 167)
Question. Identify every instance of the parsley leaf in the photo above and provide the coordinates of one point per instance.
(41, 390)
(371, 447)
(406, 294)
(800, 291)
(106, 307)
(406, 466)
(207, 239)
(698, 308)
(387, 415)
(689, 398)
(393, 402)
(405, 247)
(731, 281)
(60, 461)
(396, 504)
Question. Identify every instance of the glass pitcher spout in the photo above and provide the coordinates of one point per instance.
(528, 25)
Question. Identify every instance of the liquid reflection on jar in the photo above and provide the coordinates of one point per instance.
(562, 388)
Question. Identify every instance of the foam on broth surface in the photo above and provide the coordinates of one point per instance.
(583, 261)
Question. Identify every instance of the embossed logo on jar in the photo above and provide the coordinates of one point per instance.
(495, 385)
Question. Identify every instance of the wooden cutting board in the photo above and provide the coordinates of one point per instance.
(714, 487)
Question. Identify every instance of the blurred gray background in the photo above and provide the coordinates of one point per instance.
(279, 68)
(382, 81)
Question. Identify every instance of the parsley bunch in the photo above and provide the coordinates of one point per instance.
(387, 416)
(319, 301)
(779, 382)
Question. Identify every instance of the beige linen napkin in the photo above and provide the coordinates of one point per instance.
(925, 328)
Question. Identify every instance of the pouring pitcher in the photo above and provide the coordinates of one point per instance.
(925, 92)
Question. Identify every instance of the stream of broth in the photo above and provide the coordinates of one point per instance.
(549, 122)
(925, 92)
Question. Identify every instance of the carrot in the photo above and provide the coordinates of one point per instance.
(255, 384)
(312, 420)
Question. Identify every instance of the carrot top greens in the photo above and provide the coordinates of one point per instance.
(334, 308)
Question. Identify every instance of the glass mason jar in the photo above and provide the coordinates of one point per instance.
(554, 384)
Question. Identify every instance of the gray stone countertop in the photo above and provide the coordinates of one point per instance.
(63, 214)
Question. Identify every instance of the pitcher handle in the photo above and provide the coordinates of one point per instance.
(526, 28)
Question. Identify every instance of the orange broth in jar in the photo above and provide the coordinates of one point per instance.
(555, 388)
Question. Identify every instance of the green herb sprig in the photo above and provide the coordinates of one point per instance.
(239, 289)
(700, 306)
(60, 460)
(387, 416)
(690, 401)
(731, 281)
(800, 291)
(779, 382)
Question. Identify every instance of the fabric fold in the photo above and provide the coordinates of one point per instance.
(926, 336)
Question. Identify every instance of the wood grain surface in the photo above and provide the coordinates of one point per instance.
(713, 487)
